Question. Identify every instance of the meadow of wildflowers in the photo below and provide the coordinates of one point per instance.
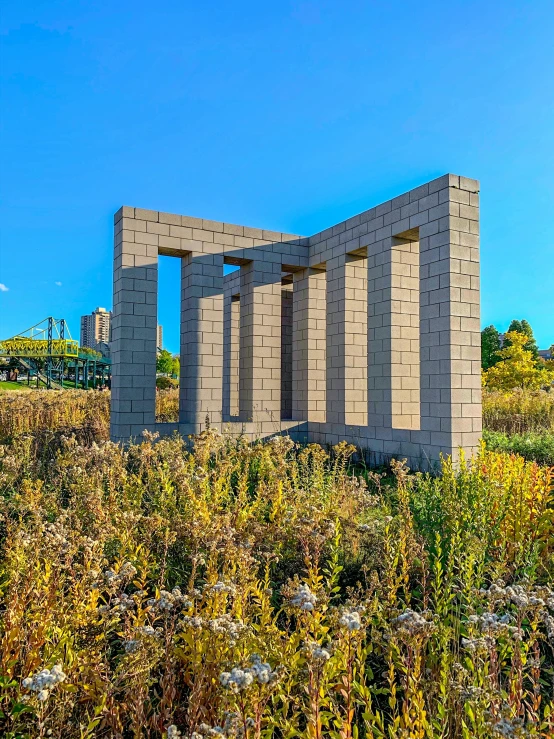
(269, 590)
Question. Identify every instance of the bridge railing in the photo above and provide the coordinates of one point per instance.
(20, 346)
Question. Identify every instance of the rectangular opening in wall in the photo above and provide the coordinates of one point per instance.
(168, 339)
(405, 372)
(231, 348)
(231, 341)
(286, 347)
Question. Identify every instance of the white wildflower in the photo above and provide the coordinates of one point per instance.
(237, 679)
(123, 603)
(351, 619)
(147, 631)
(518, 596)
(241, 678)
(549, 625)
(127, 571)
(44, 681)
(471, 692)
(505, 727)
(281, 444)
(221, 587)
(131, 646)
(226, 626)
(304, 598)
(476, 645)
(262, 671)
(317, 652)
(217, 731)
(411, 623)
(195, 622)
(492, 624)
(167, 601)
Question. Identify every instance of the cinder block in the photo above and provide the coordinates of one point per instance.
(468, 184)
(169, 218)
(146, 215)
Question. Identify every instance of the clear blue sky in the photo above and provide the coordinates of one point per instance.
(288, 115)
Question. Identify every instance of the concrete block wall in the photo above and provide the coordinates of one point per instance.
(346, 392)
(309, 345)
(260, 342)
(379, 342)
(201, 381)
(135, 304)
(393, 334)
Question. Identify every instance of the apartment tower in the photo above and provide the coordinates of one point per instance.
(96, 328)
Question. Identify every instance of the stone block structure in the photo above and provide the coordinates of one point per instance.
(368, 331)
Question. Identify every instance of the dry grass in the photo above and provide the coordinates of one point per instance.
(24, 412)
(85, 413)
(167, 406)
(519, 411)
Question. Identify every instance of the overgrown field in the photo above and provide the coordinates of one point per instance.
(268, 591)
(42, 412)
(516, 412)
(520, 422)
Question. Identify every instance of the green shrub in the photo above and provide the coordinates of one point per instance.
(538, 447)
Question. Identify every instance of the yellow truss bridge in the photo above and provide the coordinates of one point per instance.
(47, 351)
(22, 346)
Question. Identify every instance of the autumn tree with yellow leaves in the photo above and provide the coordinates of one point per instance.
(517, 367)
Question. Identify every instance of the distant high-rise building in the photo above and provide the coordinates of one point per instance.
(159, 337)
(96, 328)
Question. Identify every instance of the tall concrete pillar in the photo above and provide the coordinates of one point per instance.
(393, 334)
(347, 340)
(450, 322)
(201, 338)
(260, 342)
(309, 346)
(134, 321)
